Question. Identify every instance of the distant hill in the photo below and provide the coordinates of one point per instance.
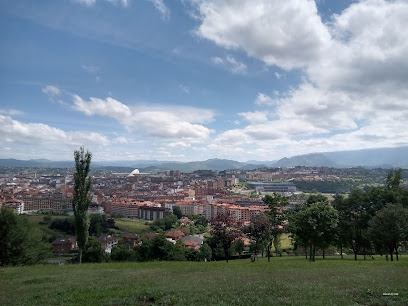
(310, 160)
(381, 158)
(38, 163)
(210, 164)
(391, 157)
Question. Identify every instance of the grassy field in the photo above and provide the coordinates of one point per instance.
(36, 220)
(134, 226)
(283, 281)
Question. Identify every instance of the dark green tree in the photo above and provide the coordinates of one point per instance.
(205, 252)
(164, 224)
(93, 251)
(199, 220)
(275, 203)
(82, 198)
(344, 232)
(20, 244)
(177, 212)
(314, 225)
(389, 228)
(239, 246)
(64, 225)
(122, 252)
(359, 215)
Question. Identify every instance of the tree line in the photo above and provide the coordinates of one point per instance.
(367, 222)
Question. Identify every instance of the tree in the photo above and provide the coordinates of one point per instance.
(205, 252)
(93, 251)
(164, 224)
(122, 252)
(239, 246)
(394, 178)
(388, 228)
(199, 220)
(314, 226)
(224, 233)
(259, 230)
(343, 229)
(64, 225)
(357, 211)
(275, 218)
(177, 212)
(20, 244)
(82, 197)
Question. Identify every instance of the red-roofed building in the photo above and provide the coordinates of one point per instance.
(174, 235)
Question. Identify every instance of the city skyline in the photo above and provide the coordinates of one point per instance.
(192, 80)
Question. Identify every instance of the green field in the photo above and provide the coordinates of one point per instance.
(133, 226)
(283, 281)
(36, 221)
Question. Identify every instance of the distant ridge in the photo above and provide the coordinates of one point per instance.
(380, 158)
(309, 160)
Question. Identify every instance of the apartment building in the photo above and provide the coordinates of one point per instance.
(45, 201)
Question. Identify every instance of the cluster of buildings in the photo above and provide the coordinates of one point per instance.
(149, 210)
(149, 196)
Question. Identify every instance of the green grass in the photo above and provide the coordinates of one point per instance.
(35, 221)
(132, 226)
(286, 242)
(283, 281)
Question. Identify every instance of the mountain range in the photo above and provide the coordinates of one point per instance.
(384, 158)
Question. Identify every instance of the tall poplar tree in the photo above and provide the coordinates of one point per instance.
(82, 197)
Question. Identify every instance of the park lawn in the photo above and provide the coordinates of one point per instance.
(133, 226)
(283, 281)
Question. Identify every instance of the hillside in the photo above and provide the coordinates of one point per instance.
(309, 160)
(385, 158)
(283, 281)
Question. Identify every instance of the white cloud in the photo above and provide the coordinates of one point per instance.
(162, 8)
(271, 30)
(109, 107)
(352, 93)
(90, 69)
(158, 121)
(90, 3)
(184, 88)
(39, 133)
(217, 60)
(230, 63)
(236, 66)
(263, 99)
(51, 90)
(279, 75)
(10, 112)
(86, 2)
(120, 139)
(255, 117)
(179, 144)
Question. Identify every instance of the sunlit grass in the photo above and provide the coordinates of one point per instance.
(134, 226)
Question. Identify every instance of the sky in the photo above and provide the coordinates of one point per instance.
(191, 80)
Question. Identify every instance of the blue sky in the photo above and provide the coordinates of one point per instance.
(193, 79)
